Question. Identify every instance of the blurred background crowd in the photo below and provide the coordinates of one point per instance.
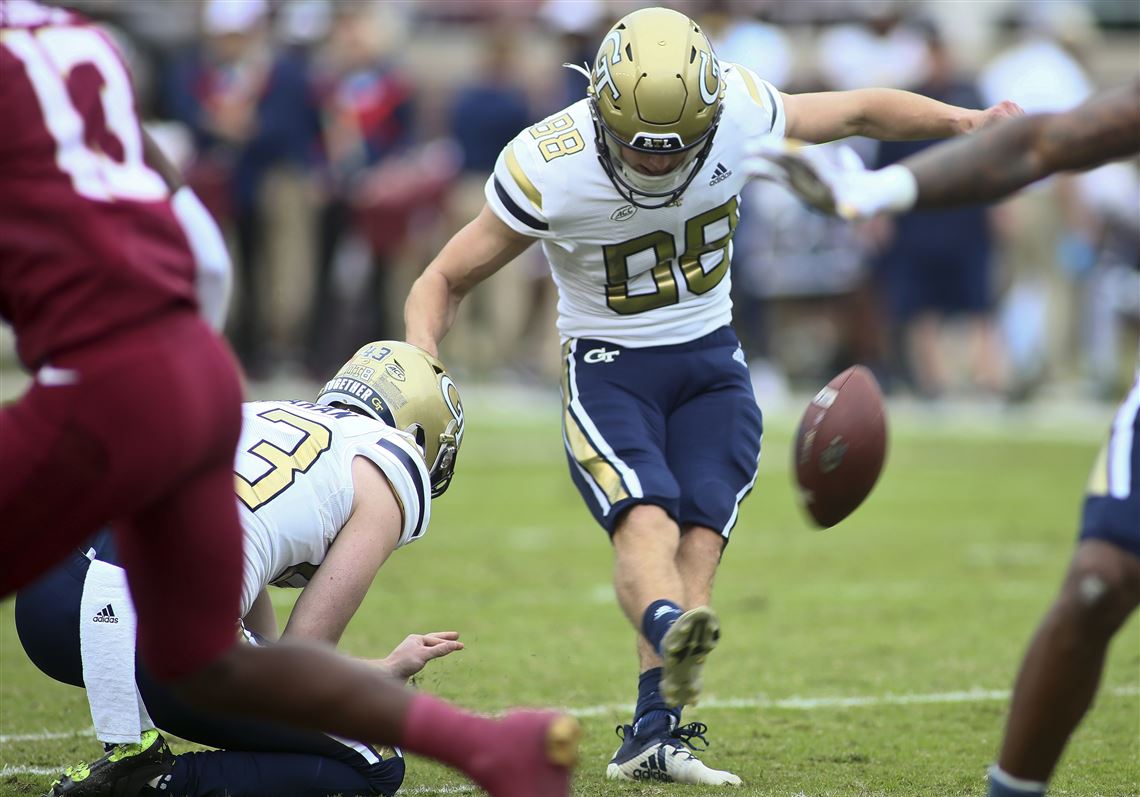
(341, 143)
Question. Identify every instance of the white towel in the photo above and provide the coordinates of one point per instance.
(107, 646)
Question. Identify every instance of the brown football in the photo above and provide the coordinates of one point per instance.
(840, 446)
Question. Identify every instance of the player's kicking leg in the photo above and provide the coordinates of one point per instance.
(644, 464)
(673, 647)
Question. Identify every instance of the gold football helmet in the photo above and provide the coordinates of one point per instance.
(408, 389)
(655, 88)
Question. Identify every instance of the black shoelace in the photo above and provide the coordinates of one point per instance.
(694, 730)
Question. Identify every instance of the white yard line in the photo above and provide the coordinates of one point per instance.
(814, 703)
(7, 771)
(44, 736)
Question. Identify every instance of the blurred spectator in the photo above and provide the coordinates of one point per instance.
(1041, 71)
(938, 264)
(1110, 285)
(740, 39)
(1045, 226)
(880, 50)
(366, 116)
(491, 109)
(248, 107)
(580, 25)
(800, 304)
(506, 316)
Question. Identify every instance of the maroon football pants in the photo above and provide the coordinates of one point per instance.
(137, 431)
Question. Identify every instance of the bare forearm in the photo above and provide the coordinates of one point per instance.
(886, 114)
(894, 115)
(998, 161)
(430, 310)
(473, 254)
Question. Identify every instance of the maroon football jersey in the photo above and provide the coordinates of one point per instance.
(88, 243)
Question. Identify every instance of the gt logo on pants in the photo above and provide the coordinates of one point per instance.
(600, 356)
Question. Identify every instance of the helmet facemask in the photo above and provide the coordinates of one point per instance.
(639, 189)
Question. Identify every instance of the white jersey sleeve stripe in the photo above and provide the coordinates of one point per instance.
(777, 106)
(515, 209)
(411, 466)
(750, 84)
(515, 169)
(405, 470)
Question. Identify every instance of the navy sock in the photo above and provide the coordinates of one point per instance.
(652, 716)
(658, 619)
(1005, 785)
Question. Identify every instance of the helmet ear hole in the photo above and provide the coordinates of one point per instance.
(416, 430)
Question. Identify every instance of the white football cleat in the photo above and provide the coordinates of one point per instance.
(831, 178)
(684, 649)
(665, 759)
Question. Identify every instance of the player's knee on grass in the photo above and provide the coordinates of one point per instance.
(1102, 588)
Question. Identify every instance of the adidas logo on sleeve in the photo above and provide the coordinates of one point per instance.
(720, 174)
(105, 616)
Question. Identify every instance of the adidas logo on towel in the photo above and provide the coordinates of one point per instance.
(105, 616)
(720, 174)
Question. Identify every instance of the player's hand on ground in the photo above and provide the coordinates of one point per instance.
(413, 654)
(1006, 109)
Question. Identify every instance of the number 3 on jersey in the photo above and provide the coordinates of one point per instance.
(284, 465)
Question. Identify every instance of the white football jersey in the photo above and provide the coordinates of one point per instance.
(294, 487)
(625, 274)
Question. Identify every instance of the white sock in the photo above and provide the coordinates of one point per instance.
(1008, 784)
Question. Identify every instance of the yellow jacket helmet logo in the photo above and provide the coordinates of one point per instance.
(408, 389)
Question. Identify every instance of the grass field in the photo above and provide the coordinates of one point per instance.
(872, 659)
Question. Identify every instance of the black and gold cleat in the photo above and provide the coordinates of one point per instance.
(124, 771)
(684, 649)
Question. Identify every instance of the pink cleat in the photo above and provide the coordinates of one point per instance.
(529, 754)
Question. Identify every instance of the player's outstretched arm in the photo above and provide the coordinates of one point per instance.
(983, 167)
(885, 114)
(335, 591)
(1013, 155)
(474, 253)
